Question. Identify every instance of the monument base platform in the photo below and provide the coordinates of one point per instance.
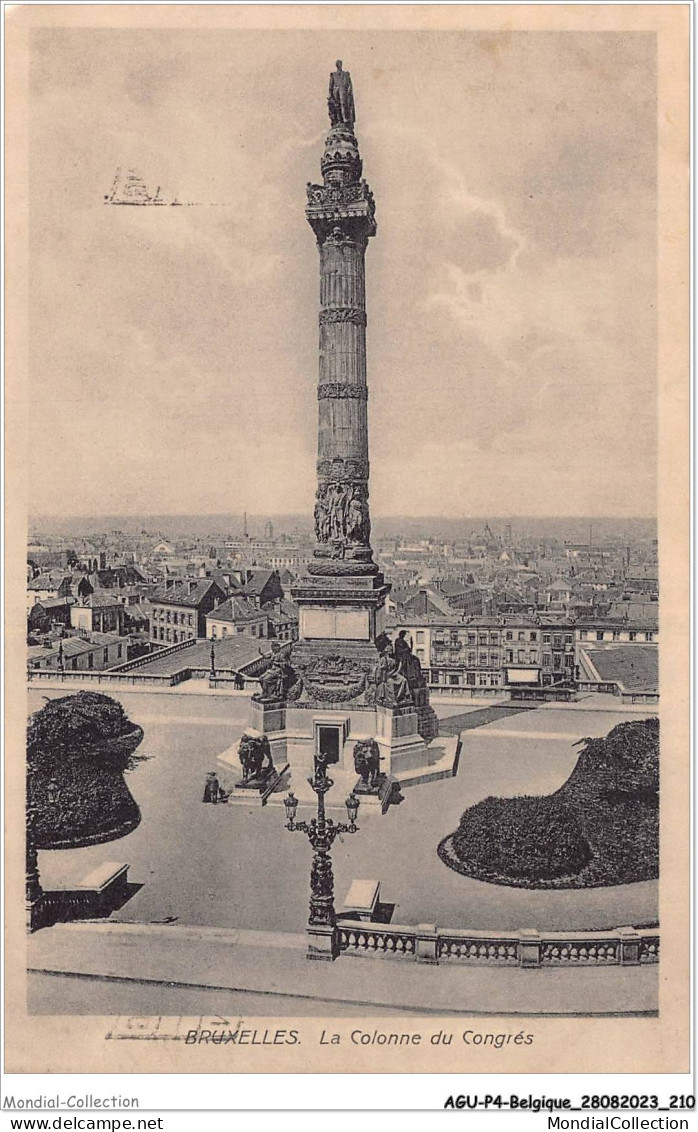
(440, 760)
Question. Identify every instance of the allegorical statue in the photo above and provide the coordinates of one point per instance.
(410, 665)
(322, 521)
(277, 680)
(392, 688)
(356, 519)
(340, 101)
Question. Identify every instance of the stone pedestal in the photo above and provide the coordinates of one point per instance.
(426, 942)
(323, 942)
(529, 947)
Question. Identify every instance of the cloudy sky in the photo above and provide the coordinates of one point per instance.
(511, 287)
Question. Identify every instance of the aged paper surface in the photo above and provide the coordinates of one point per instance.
(59, 104)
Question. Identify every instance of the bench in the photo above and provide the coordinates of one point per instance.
(105, 885)
(362, 899)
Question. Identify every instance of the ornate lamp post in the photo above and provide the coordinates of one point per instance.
(321, 832)
(34, 893)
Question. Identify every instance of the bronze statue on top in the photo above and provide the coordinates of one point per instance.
(340, 101)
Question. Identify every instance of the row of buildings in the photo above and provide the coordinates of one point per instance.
(512, 653)
(485, 614)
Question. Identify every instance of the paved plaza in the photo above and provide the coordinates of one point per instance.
(230, 866)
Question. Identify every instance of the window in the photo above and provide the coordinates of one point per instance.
(568, 638)
(224, 631)
(74, 663)
(90, 660)
(520, 657)
(599, 634)
(494, 659)
(557, 641)
(648, 636)
(632, 636)
(420, 654)
(472, 659)
(547, 660)
(454, 640)
(471, 639)
(435, 676)
(510, 656)
(191, 618)
(483, 660)
(453, 678)
(105, 658)
(534, 636)
(616, 634)
(482, 639)
(521, 636)
(583, 635)
(483, 679)
(119, 651)
(494, 638)
(470, 678)
(510, 635)
(420, 635)
(546, 638)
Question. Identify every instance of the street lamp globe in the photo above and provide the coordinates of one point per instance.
(291, 804)
(352, 804)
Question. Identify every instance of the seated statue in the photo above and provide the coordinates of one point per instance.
(276, 680)
(392, 689)
(410, 665)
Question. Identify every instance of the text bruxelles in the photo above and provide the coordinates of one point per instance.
(243, 1037)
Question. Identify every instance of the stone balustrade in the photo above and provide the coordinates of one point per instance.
(625, 946)
(107, 676)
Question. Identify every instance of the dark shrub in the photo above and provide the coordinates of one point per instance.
(600, 828)
(528, 838)
(78, 748)
(626, 760)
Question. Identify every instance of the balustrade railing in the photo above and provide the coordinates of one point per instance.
(527, 947)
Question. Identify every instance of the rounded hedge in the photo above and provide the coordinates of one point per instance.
(78, 749)
(526, 838)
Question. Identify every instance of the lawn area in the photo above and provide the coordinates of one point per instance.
(233, 866)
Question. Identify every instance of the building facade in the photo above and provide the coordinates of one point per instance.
(178, 611)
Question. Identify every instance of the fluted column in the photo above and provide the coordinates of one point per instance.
(342, 214)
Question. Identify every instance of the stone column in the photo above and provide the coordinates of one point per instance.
(341, 212)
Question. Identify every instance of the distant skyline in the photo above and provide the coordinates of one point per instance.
(511, 287)
(572, 528)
